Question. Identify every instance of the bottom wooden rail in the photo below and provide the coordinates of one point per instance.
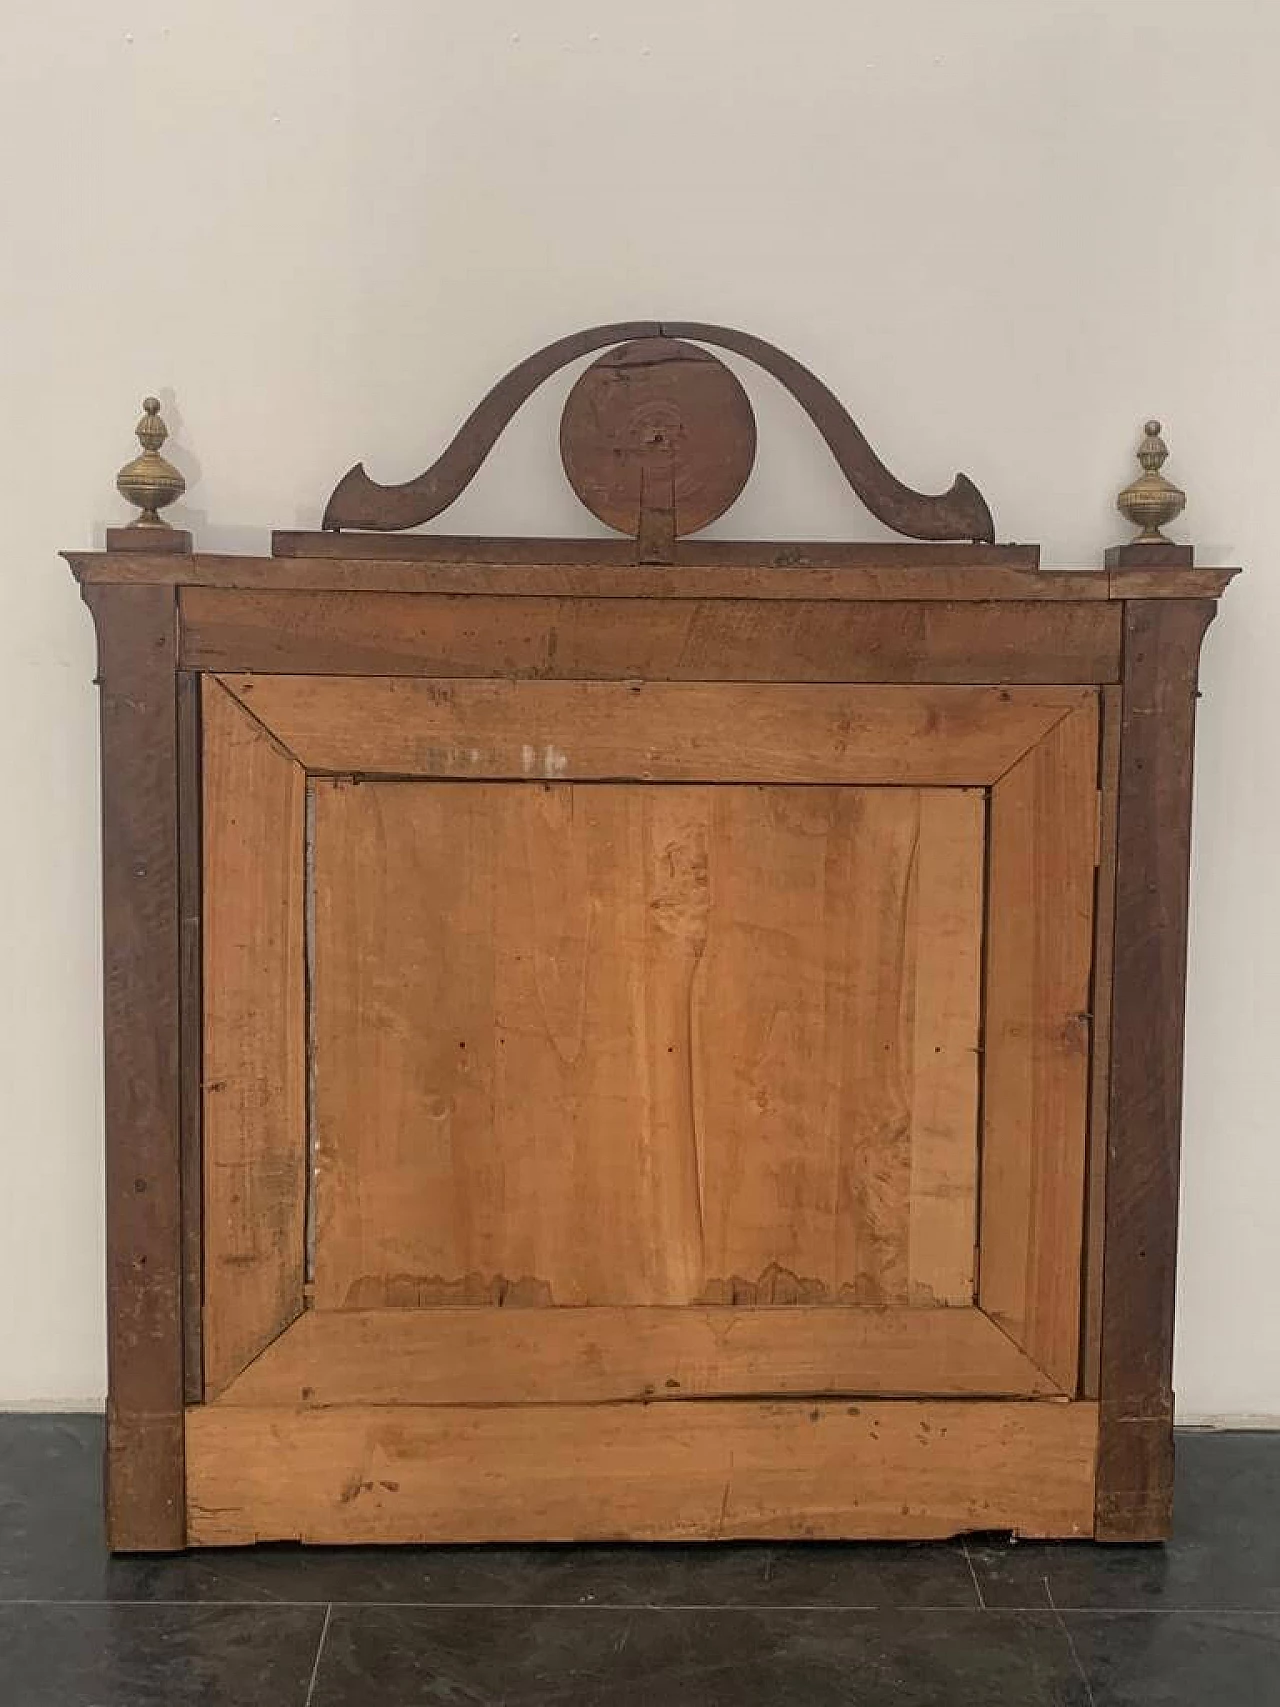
(698, 1470)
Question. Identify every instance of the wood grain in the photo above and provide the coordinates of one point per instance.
(1135, 1462)
(602, 568)
(651, 415)
(1036, 1062)
(406, 634)
(137, 640)
(191, 1032)
(1169, 583)
(645, 1044)
(738, 554)
(254, 1039)
(606, 568)
(709, 1470)
(958, 513)
(1100, 1040)
(653, 731)
(593, 569)
(835, 1033)
(457, 1356)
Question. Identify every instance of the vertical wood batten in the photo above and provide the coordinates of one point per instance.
(1135, 1453)
(137, 656)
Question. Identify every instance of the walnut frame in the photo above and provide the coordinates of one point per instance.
(1075, 1290)
(1150, 655)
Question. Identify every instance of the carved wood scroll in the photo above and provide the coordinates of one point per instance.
(658, 439)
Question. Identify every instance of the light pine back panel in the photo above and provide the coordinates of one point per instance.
(643, 1044)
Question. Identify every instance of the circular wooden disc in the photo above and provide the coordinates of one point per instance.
(662, 415)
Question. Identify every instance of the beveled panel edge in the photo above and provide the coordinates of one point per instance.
(324, 1357)
(421, 696)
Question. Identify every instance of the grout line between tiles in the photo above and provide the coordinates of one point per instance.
(977, 1586)
(614, 1606)
(511, 1605)
(315, 1669)
(1167, 1611)
(1071, 1644)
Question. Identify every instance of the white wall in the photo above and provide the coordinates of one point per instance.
(1004, 230)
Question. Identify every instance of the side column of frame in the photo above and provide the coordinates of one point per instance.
(137, 652)
(1135, 1455)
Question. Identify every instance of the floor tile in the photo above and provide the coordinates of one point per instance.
(412, 1657)
(807, 1575)
(1179, 1659)
(157, 1656)
(51, 1542)
(1225, 1551)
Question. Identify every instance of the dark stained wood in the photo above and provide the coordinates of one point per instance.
(730, 571)
(167, 541)
(870, 579)
(656, 526)
(657, 418)
(1135, 1459)
(137, 636)
(959, 513)
(190, 1040)
(662, 640)
(1169, 583)
(690, 553)
(1162, 554)
(359, 502)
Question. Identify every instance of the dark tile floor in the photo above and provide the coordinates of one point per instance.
(979, 1624)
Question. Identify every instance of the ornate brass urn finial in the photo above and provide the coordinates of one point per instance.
(149, 481)
(1150, 501)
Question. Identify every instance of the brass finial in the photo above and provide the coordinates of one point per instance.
(149, 481)
(1150, 501)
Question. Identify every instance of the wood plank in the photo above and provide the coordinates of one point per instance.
(596, 577)
(653, 731)
(713, 1097)
(709, 1470)
(835, 1033)
(595, 1356)
(947, 921)
(1135, 1464)
(949, 557)
(254, 1042)
(1169, 583)
(191, 1033)
(1100, 1040)
(726, 639)
(137, 638)
(603, 568)
(1036, 1061)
